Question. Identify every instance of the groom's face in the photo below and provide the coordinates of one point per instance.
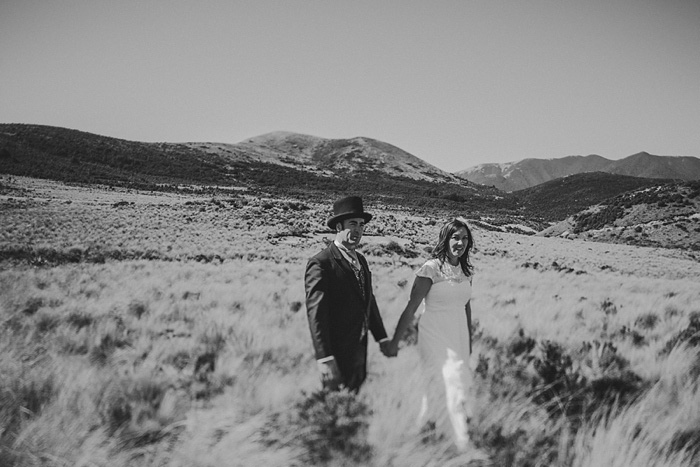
(350, 232)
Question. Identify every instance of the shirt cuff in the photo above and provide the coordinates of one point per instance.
(384, 340)
(326, 359)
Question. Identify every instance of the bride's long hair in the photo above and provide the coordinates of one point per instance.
(440, 249)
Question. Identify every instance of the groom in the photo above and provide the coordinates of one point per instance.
(340, 303)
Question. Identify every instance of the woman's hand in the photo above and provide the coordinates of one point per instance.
(394, 346)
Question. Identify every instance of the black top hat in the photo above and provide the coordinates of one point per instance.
(347, 208)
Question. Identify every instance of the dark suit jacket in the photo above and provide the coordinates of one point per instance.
(337, 312)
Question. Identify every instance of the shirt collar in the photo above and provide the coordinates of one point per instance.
(350, 256)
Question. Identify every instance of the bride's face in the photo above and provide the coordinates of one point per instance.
(457, 245)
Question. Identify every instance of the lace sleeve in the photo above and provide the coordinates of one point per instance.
(429, 270)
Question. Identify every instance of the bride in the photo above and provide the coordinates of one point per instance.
(444, 330)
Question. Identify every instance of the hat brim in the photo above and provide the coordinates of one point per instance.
(348, 215)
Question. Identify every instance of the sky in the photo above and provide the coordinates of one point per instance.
(456, 83)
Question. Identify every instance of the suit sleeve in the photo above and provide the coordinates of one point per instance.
(317, 308)
(376, 325)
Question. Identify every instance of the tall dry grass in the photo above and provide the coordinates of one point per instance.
(585, 354)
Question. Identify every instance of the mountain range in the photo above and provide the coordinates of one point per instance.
(527, 173)
(311, 168)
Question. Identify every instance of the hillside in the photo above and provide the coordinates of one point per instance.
(283, 164)
(560, 198)
(76, 156)
(327, 156)
(514, 176)
(52, 152)
(665, 215)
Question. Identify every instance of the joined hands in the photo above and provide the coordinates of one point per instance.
(389, 348)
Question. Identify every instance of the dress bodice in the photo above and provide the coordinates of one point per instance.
(451, 288)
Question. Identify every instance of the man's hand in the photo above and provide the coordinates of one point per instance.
(388, 349)
(330, 374)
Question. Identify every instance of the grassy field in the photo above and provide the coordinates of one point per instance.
(143, 329)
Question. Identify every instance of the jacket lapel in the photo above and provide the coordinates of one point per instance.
(365, 269)
(347, 269)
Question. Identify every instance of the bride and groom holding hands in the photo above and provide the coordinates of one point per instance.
(342, 310)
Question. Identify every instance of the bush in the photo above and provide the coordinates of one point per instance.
(79, 319)
(137, 308)
(593, 383)
(32, 305)
(327, 425)
(46, 321)
(517, 447)
(637, 338)
(110, 335)
(24, 391)
(647, 321)
(392, 248)
(130, 409)
(690, 336)
(608, 307)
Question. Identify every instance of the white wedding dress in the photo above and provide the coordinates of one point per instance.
(443, 343)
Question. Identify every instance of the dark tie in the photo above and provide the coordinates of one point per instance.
(359, 275)
(361, 280)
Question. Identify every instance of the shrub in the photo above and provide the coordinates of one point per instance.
(554, 366)
(138, 308)
(637, 338)
(46, 321)
(671, 311)
(179, 359)
(504, 368)
(297, 206)
(111, 335)
(593, 383)
(608, 307)
(79, 319)
(687, 439)
(130, 409)
(24, 391)
(521, 345)
(516, 446)
(690, 336)
(647, 321)
(326, 424)
(392, 248)
(32, 305)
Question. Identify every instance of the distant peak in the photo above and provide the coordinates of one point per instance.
(279, 136)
